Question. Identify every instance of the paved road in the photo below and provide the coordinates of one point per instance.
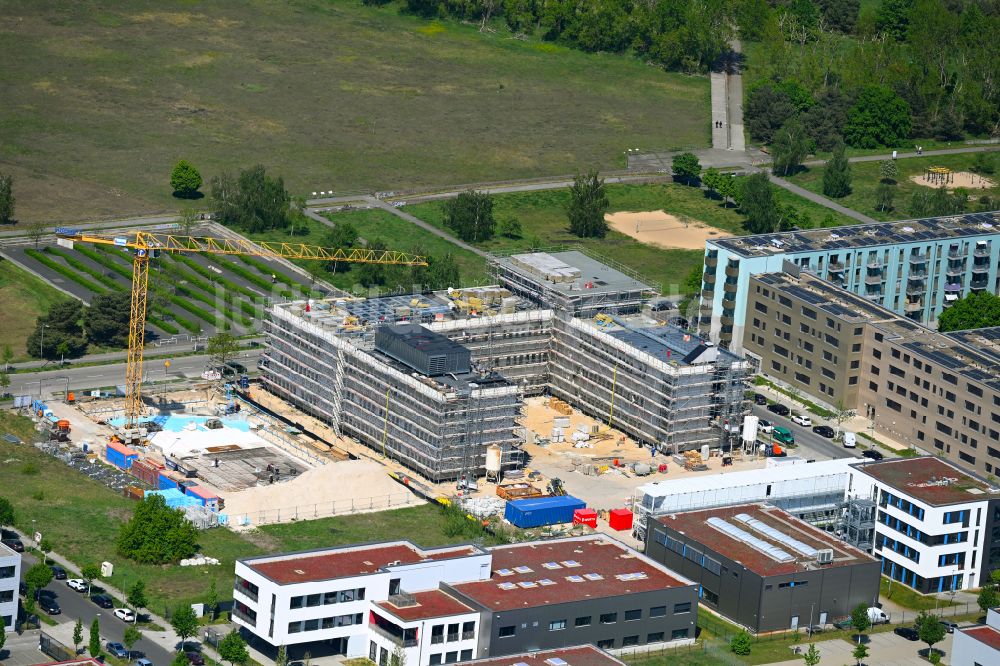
(810, 445)
(76, 605)
(821, 200)
(79, 379)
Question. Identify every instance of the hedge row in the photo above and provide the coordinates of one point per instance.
(66, 272)
(268, 271)
(106, 280)
(209, 275)
(249, 276)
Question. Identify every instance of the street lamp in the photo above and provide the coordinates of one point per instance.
(41, 343)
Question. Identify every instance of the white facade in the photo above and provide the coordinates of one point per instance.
(978, 646)
(927, 547)
(10, 576)
(339, 608)
(435, 641)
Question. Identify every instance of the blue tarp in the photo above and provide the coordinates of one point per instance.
(542, 511)
(174, 498)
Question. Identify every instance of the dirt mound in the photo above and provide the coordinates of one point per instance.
(660, 228)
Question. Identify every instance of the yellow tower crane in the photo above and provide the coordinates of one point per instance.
(148, 245)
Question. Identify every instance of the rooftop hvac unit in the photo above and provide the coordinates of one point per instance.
(824, 556)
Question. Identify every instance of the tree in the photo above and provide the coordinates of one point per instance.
(185, 180)
(741, 643)
(729, 188)
(343, 235)
(233, 648)
(254, 201)
(6, 512)
(930, 629)
(6, 198)
(188, 219)
(712, 179)
(893, 17)
(840, 15)
(884, 196)
(470, 216)
(136, 597)
(860, 652)
(29, 607)
(4, 382)
(7, 355)
(157, 534)
(180, 659)
(3, 638)
(61, 324)
(812, 656)
(131, 637)
(398, 656)
(212, 600)
(979, 309)
(790, 147)
(281, 659)
(77, 635)
(837, 176)
(889, 170)
(94, 646)
(185, 623)
(38, 576)
(988, 597)
(106, 321)
(860, 621)
(587, 205)
(89, 573)
(879, 117)
(35, 231)
(984, 164)
(222, 348)
(510, 227)
(758, 205)
(767, 109)
(825, 121)
(685, 168)
(46, 547)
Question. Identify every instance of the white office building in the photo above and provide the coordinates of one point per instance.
(937, 528)
(10, 576)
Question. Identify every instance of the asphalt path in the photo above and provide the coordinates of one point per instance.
(77, 606)
(98, 376)
(809, 445)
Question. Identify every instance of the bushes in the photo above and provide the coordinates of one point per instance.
(65, 272)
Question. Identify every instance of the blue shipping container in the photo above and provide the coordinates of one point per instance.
(542, 511)
(166, 482)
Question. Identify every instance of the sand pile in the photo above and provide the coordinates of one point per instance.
(660, 228)
(956, 179)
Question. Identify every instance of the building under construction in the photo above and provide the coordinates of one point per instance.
(436, 380)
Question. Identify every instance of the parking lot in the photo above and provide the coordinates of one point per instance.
(884, 649)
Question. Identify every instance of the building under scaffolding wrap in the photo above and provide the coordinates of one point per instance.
(436, 379)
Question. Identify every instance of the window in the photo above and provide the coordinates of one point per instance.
(658, 611)
(466, 655)
(373, 652)
(468, 630)
(655, 637)
(437, 634)
(435, 659)
(606, 644)
(631, 615)
(6, 572)
(450, 657)
(313, 600)
(709, 596)
(557, 625)
(682, 608)
(629, 641)
(678, 634)
(506, 632)
(582, 621)
(294, 627)
(311, 625)
(330, 598)
(609, 618)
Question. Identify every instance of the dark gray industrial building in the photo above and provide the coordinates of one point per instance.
(763, 568)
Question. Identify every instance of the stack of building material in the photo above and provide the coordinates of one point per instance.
(147, 471)
(693, 462)
(522, 490)
(546, 266)
(560, 406)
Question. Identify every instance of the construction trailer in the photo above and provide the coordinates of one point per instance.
(434, 380)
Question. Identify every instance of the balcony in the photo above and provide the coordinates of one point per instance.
(952, 271)
(732, 271)
(915, 289)
(709, 277)
(953, 288)
(708, 295)
(452, 637)
(917, 274)
(918, 259)
(956, 254)
(978, 285)
(835, 267)
(727, 320)
(874, 263)
(981, 251)
(980, 268)
(913, 306)
(245, 591)
(468, 635)
(873, 279)
(237, 613)
(394, 637)
(711, 260)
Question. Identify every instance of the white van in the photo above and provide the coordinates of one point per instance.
(850, 440)
(877, 616)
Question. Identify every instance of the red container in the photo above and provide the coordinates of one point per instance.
(662, 468)
(586, 517)
(620, 519)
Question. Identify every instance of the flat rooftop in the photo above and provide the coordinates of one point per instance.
(930, 480)
(778, 543)
(662, 341)
(586, 276)
(863, 235)
(582, 655)
(827, 297)
(566, 570)
(985, 634)
(318, 565)
(426, 605)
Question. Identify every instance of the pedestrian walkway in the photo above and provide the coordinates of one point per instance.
(720, 111)
(821, 200)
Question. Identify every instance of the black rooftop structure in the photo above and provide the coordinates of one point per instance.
(425, 351)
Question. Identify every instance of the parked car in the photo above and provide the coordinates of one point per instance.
(759, 399)
(783, 436)
(778, 409)
(238, 367)
(14, 544)
(823, 431)
(58, 572)
(195, 658)
(950, 627)
(125, 615)
(142, 662)
(764, 426)
(877, 616)
(77, 584)
(909, 633)
(116, 649)
(49, 605)
(103, 600)
(873, 454)
(850, 439)
(802, 419)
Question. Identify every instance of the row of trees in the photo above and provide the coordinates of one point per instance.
(68, 327)
(900, 69)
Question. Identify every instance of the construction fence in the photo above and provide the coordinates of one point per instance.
(324, 509)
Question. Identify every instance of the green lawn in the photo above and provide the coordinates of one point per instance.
(865, 178)
(24, 297)
(907, 597)
(104, 97)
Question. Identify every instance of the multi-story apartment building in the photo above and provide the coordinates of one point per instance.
(763, 568)
(441, 606)
(914, 268)
(937, 527)
(930, 390)
(10, 577)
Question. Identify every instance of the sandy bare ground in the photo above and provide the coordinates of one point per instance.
(966, 179)
(660, 228)
(353, 486)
